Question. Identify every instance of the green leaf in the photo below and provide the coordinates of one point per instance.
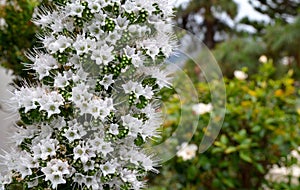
(224, 139)
(229, 182)
(230, 149)
(245, 156)
(260, 168)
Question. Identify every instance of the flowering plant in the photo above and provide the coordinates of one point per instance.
(257, 141)
(100, 72)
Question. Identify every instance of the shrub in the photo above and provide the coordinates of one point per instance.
(261, 127)
(17, 34)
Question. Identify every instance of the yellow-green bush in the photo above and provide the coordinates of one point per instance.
(261, 127)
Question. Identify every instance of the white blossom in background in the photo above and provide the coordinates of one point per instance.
(240, 75)
(286, 174)
(2, 2)
(287, 60)
(95, 105)
(3, 24)
(201, 108)
(187, 151)
(263, 59)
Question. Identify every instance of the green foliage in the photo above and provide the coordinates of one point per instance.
(18, 35)
(280, 41)
(260, 129)
(284, 40)
(238, 53)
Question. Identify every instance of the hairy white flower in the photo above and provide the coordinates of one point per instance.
(94, 6)
(55, 171)
(74, 9)
(100, 146)
(162, 76)
(107, 81)
(109, 167)
(114, 129)
(103, 55)
(77, 128)
(72, 134)
(130, 87)
(60, 44)
(84, 153)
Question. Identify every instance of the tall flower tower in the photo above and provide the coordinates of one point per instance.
(100, 71)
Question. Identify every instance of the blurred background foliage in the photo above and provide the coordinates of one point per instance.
(262, 119)
(17, 34)
(261, 125)
(261, 128)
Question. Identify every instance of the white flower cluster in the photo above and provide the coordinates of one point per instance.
(201, 108)
(187, 151)
(3, 24)
(286, 174)
(100, 72)
(240, 75)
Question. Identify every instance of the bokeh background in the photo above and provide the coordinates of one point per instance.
(257, 46)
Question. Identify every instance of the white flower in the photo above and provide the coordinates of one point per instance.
(79, 178)
(113, 37)
(129, 6)
(100, 146)
(109, 167)
(76, 114)
(136, 57)
(107, 81)
(61, 81)
(134, 125)
(122, 23)
(240, 75)
(128, 175)
(94, 6)
(187, 152)
(263, 59)
(3, 24)
(71, 134)
(160, 75)
(43, 63)
(83, 45)
(74, 9)
(5, 179)
(55, 171)
(60, 44)
(200, 109)
(103, 55)
(148, 164)
(130, 87)
(114, 129)
(46, 147)
(84, 153)
(89, 165)
(286, 60)
(51, 102)
(96, 31)
(42, 17)
(91, 181)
